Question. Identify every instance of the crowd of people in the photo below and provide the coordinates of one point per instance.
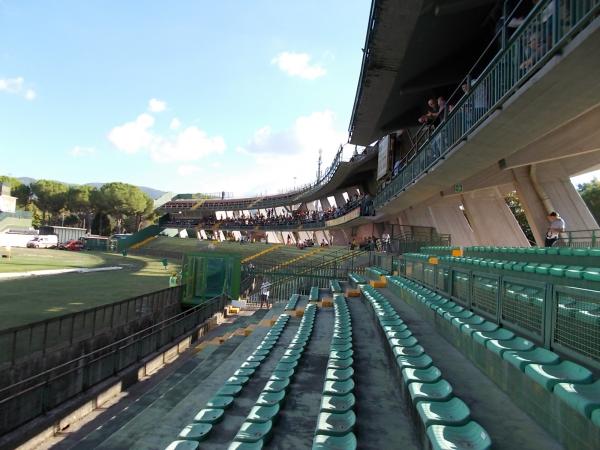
(273, 218)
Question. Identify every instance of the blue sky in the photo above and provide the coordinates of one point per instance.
(185, 95)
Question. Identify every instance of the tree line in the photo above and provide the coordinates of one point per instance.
(113, 208)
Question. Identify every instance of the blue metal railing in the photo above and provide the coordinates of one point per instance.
(549, 26)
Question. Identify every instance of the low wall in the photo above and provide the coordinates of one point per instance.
(35, 396)
(30, 349)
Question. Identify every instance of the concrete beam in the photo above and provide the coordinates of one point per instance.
(579, 136)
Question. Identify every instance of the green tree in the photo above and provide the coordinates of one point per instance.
(50, 197)
(79, 203)
(121, 200)
(515, 205)
(590, 192)
(18, 189)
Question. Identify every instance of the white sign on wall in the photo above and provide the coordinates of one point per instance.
(383, 161)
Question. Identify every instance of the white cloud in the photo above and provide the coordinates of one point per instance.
(17, 86)
(189, 144)
(133, 136)
(289, 157)
(82, 151)
(298, 65)
(175, 124)
(187, 169)
(156, 106)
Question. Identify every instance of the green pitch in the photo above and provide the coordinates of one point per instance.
(31, 299)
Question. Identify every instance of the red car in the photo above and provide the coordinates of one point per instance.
(73, 245)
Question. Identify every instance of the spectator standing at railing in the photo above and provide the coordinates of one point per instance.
(264, 294)
(557, 226)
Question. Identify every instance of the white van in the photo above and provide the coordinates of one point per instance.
(44, 241)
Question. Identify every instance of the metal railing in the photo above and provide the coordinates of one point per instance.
(74, 330)
(547, 29)
(555, 315)
(33, 396)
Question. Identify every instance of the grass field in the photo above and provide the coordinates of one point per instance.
(27, 259)
(31, 299)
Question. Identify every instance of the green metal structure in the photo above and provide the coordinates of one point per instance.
(206, 275)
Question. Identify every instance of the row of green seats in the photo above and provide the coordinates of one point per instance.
(557, 270)
(314, 294)
(292, 302)
(377, 272)
(357, 279)
(335, 287)
(571, 382)
(214, 410)
(336, 419)
(564, 251)
(445, 417)
(258, 426)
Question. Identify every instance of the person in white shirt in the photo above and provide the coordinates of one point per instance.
(264, 294)
(557, 226)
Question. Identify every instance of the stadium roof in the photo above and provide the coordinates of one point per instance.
(415, 49)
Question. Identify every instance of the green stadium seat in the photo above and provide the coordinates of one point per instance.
(575, 272)
(581, 252)
(229, 390)
(327, 442)
(469, 328)
(501, 334)
(450, 412)
(235, 445)
(254, 432)
(195, 431)
(530, 267)
(430, 375)
(470, 436)
(336, 424)
(340, 363)
(334, 354)
(499, 346)
(261, 352)
(472, 320)
(270, 398)
(543, 269)
(520, 359)
(558, 270)
(281, 375)
(261, 413)
(563, 372)
(591, 274)
(220, 402)
(338, 387)
(209, 415)
(250, 365)
(415, 350)
(410, 341)
(183, 445)
(283, 366)
(339, 374)
(337, 403)
(415, 362)
(237, 380)
(244, 372)
(398, 334)
(436, 392)
(585, 398)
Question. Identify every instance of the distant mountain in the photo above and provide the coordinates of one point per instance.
(153, 193)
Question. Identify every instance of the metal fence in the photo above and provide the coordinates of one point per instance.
(298, 279)
(546, 30)
(33, 396)
(70, 331)
(559, 317)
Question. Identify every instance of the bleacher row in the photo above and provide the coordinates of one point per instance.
(257, 428)
(550, 305)
(444, 417)
(216, 407)
(336, 418)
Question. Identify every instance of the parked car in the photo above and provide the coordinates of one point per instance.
(74, 245)
(44, 241)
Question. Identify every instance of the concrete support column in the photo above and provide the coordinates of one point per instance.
(325, 203)
(547, 187)
(339, 237)
(339, 199)
(491, 219)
